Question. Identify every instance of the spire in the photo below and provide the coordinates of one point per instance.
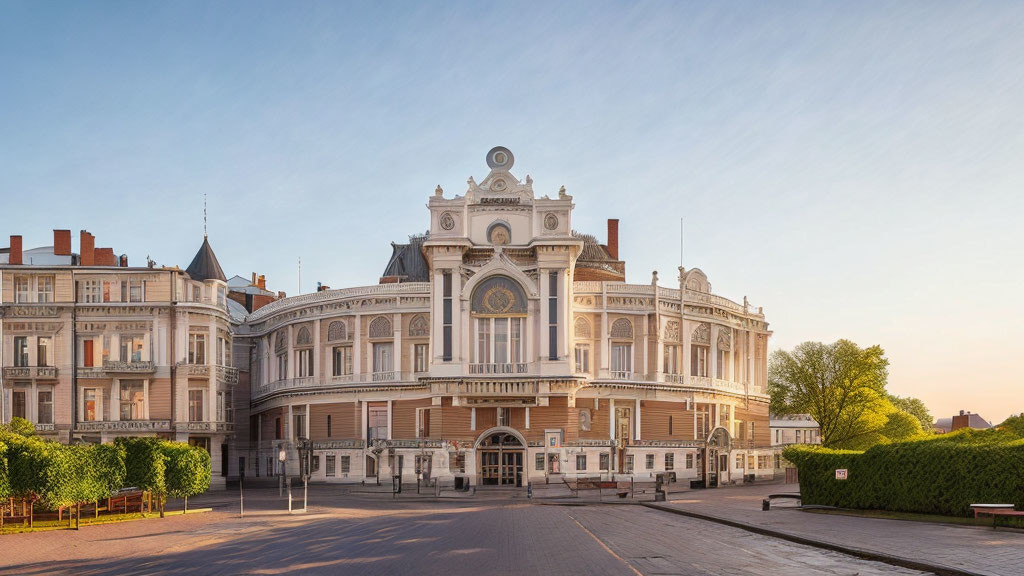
(205, 266)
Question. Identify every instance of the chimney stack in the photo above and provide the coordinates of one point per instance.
(15, 255)
(123, 261)
(62, 242)
(613, 238)
(253, 279)
(87, 247)
(104, 257)
(261, 282)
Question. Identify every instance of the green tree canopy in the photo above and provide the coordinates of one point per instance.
(841, 385)
(916, 407)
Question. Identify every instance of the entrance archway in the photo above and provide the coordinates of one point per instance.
(500, 455)
(716, 458)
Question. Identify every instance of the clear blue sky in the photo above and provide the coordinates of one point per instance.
(855, 168)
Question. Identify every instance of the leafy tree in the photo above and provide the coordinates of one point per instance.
(145, 463)
(5, 478)
(21, 427)
(916, 407)
(188, 470)
(840, 384)
(1014, 425)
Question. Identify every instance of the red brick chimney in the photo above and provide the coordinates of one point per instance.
(613, 238)
(62, 242)
(15, 255)
(261, 282)
(87, 247)
(105, 257)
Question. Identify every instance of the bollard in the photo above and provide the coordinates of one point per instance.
(289, 482)
(529, 489)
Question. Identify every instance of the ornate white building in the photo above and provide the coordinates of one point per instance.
(502, 348)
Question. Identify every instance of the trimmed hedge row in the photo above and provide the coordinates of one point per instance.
(944, 475)
(58, 475)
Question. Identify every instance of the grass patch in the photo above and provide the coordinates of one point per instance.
(917, 517)
(47, 525)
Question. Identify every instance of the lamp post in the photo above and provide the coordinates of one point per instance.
(305, 453)
(282, 456)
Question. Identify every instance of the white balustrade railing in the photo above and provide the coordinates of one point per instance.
(505, 368)
(324, 295)
(389, 376)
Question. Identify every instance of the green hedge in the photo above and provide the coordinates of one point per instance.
(188, 469)
(943, 475)
(145, 464)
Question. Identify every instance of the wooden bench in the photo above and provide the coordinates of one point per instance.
(995, 511)
(766, 504)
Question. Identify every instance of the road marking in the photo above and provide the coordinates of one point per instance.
(603, 545)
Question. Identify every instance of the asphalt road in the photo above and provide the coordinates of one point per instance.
(380, 537)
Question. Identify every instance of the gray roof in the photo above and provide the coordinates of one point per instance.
(592, 249)
(407, 261)
(205, 266)
(236, 311)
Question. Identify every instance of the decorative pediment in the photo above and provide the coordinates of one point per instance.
(582, 328)
(500, 187)
(701, 334)
(303, 338)
(380, 327)
(622, 328)
(419, 326)
(672, 330)
(337, 330)
(725, 339)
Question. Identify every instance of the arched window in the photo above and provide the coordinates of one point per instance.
(303, 338)
(381, 327)
(582, 327)
(337, 331)
(499, 306)
(622, 328)
(499, 296)
(419, 326)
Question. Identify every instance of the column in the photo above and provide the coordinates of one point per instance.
(389, 420)
(646, 340)
(611, 419)
(115, 397)
(396, 326)
(318, 372)
(542, 275)
(713, 351)
(291, 352)
(636, 433)
(357, 357)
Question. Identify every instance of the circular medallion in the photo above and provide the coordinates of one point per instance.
(551, 222)
(498, 185)
(499, 300)
(447, 221)
(500, 157)
(500, 235)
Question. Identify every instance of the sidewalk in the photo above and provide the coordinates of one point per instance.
(944, 548)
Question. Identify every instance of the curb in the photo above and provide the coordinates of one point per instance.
(858, 552)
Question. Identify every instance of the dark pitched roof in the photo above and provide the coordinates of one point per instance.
(407, 261)
(205, 266)
(592, 250)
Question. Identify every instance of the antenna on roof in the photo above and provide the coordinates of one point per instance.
(204, 214)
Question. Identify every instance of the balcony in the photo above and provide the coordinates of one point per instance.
(705, 382)
(124, 426)
(488, 389)
(623, 375)
(226, 375)
(506, 368)
(389, 376)
(133, 367)
(29, 372)
(224, 427)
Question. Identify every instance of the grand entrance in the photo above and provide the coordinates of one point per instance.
(716, 458)
(500, 454)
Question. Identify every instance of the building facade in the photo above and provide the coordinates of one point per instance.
(502, 348)
(92, 349)
(789, 429)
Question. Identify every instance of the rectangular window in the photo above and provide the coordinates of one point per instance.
(21, 289)
(220, 407)
(604, 461)
(739, 461)
(345, 464)
(504, 416)
(282, 366)
(328, 425)
(798, 436)
(672, 359)
(136, 290)
(778, 436)
(221, 347)
(423, 428)
(483, 340)
(44, 289)
(90, 397)
(670, 432)
(622, 359)
(501, 340)
(197, 348)
(516, 336)
(377, 422)
(330, 465)
(90, 291)
(131, 348)
(751, 436)
(670, 461)
(277, 432)
(18, 407)
(750, 462)
(689, 461)
(581, 462)
(195, 405)
(649, 461)
(553, 316)
(447, 316)
(538, 462)
(421, 357)
(342, 360)
(43, 351)
(21, 351)
(457, 462)
(304, 362)
(583, 358)
(132, 400)
(299, 426)
(698, 360)
(44, 413)
(628, 465)
(383, 357)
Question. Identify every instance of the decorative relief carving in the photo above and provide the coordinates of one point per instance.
(303, 338)
(499, 235)
(630, 302)
(447, 221)
(419, 326)
(380, 327)
(584, 300)
(551, 222)
(582, 327)
(282, 343)
(622, 328)
(499, 296)
(701, 334)
(337, 330)
(724, 338)
(672, 330)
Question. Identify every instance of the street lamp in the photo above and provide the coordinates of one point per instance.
(282, 456)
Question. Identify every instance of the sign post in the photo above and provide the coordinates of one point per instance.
(841, 473)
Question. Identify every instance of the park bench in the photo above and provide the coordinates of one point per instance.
(766, 504)
(995, 511)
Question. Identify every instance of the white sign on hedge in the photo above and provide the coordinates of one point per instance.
(841, 474)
